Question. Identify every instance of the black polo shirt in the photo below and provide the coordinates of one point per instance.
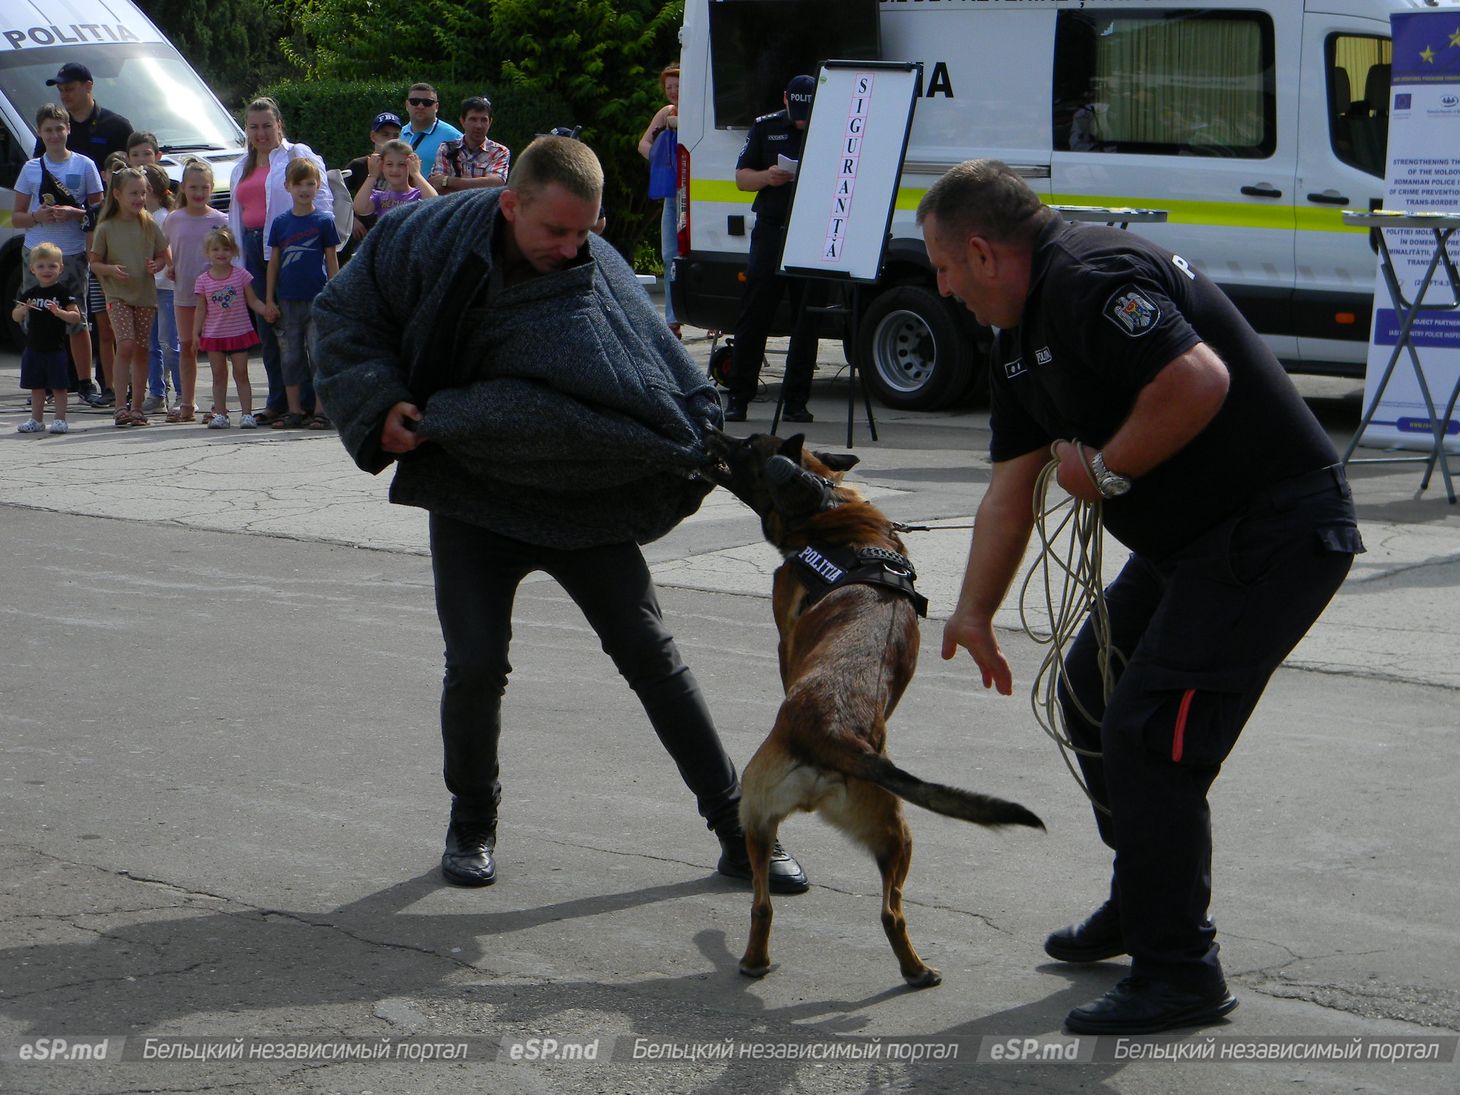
(103, 133)
(1108, 310)
(772, 136)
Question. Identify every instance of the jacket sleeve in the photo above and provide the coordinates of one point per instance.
(359, 361)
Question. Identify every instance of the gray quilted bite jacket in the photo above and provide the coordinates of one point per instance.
(564, 413)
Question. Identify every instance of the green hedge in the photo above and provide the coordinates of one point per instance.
(333, 118)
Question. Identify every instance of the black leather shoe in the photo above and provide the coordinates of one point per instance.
(1092, 940)
(468, 860)
(786, 874)
(798, 414)
(735, 409)
(1141, 1006)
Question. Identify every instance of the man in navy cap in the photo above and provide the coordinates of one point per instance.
(760, 169)
(95, 131)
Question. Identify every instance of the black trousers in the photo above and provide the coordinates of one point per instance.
(763, 290)
(1203, 632)
(477, 574)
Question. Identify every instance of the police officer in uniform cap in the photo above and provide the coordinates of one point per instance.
(773, 136)
(95, 131)
(1161, 402)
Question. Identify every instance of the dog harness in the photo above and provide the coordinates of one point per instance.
(823, 570)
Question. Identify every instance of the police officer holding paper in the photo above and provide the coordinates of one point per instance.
(760, 169)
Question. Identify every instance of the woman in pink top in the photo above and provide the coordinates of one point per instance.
(259, 196)
(191, 221)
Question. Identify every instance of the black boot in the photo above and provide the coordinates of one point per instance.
(735, 408)
(470, 846)
(1094, 939)
(786, 874)
(1139, 1005)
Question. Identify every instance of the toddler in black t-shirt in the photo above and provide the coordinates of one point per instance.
(45, 309)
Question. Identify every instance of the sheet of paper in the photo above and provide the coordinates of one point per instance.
(785, 163)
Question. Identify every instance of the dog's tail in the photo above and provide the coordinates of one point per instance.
(940, 798)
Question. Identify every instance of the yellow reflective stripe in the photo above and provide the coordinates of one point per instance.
(1213, 214)
(5, 215)
(719, 190)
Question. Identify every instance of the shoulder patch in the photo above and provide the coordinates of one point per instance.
(1132, 311)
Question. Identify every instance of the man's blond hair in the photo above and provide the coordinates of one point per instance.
(569, 163)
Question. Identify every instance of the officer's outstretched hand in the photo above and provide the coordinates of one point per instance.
(977, 637)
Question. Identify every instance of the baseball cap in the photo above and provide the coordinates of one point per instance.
(385, 117)
(799, 93)
(71, 72)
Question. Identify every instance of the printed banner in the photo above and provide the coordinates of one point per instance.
(1423, 176)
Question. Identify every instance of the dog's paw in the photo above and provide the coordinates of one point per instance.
(755, 971)
(925, 980)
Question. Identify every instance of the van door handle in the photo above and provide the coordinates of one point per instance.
(1263, 191)
(1328, 197)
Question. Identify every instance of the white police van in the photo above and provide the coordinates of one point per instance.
(1252, 123)
(136, 72)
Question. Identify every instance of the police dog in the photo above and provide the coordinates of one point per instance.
(847, 615)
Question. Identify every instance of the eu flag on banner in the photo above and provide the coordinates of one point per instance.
(1426, 49)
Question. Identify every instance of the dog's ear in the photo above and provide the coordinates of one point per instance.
(838, 461)
(791, 448)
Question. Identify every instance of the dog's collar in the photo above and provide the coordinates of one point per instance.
(831, 568)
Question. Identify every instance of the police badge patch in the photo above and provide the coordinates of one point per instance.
(1132, 311)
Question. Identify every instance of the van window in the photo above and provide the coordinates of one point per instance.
(1358, 69)
(1174, 83)
(756, 46)
(147, 82)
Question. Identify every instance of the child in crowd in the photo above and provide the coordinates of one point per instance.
(106, 343)
(302, 256)
(221, 325)
(127, 249)
(401, 169)
(185, 231)
(53, 193)
(162, 347)
(46, 308)
(143, 149)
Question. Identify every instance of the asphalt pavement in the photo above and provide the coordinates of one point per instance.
(222, 808)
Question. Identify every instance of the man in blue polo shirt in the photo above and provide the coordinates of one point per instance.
(426, 131)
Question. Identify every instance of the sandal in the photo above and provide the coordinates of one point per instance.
(182, 412)
(318, 422)
(268, 417)
(289, 421)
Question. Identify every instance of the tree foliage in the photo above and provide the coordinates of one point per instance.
(233, 43)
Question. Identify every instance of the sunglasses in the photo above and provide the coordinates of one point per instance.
(421, 102)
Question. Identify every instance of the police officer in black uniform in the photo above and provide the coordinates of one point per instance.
(773, 136)
(95, 131)
(1159, 401)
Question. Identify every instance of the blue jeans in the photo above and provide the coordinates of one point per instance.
(256, 262)
(668, 248)
(162, 349)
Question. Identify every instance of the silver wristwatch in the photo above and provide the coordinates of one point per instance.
(1111, 485)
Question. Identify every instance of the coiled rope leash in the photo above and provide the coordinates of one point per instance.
(1070, 556)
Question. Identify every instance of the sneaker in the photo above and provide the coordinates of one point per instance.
(735, 409)
(59, 426)
(87, 393)
(30, 425)
(218, 422)
(248, 422)
(153, 403)
(107, 397)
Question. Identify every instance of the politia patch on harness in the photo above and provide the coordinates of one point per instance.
(1132, 311)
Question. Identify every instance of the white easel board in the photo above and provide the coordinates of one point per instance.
(850, 167)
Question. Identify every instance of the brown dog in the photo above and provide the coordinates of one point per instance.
(847, 616)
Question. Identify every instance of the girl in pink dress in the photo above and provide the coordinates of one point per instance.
(222, 327)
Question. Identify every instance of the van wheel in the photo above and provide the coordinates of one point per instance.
(9, 291)
(912, 351)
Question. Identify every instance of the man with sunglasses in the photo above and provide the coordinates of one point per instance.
(426, 131)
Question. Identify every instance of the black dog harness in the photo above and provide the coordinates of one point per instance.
(825, 570)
